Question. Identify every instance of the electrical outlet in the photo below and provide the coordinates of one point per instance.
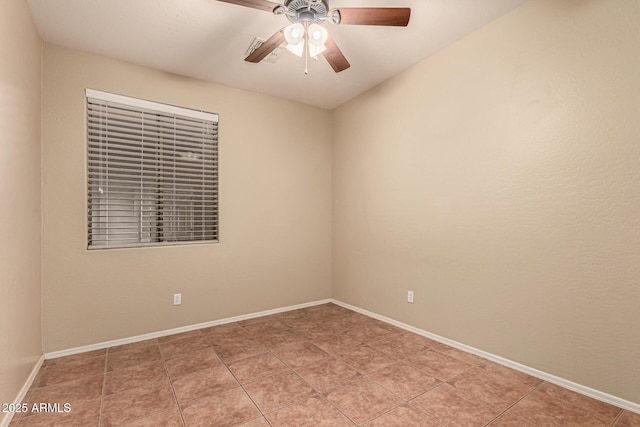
(410, 297)
(177, 299)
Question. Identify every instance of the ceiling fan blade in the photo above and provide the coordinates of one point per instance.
(265, 5)
(266, 48)
(334, 56)
(391, 16)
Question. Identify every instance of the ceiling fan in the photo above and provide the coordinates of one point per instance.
(306, 35)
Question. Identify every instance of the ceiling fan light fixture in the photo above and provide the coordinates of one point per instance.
(294, 35)
(311, 40)
(317, 38)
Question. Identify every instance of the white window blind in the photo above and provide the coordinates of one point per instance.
(152, 173)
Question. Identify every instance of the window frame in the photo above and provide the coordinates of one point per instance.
(168, 110)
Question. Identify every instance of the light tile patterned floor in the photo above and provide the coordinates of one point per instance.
(318, 366)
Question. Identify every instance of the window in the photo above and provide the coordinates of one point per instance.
(152, 173)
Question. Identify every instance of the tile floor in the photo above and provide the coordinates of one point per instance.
(318, 366)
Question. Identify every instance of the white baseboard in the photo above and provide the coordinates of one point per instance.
(578, 388)
(106, 344)
(4, 422)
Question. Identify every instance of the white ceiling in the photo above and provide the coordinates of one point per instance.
(207, 39)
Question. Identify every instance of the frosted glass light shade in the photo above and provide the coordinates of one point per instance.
(294, 35)
(317, 38)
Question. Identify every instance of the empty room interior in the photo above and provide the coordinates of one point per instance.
(364, 212)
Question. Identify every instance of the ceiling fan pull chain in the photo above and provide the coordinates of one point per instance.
(306, 48)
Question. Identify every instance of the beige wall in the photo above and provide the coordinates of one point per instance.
(275, 211)
(20, 335)
(500, 181)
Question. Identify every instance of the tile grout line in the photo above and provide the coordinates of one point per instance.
(574, 405)
(238, 381)
(157, 344)
(212, 347)
(293, 369)
(400, 360)
(367, 378)
(173, 391)
(320, 394)
(515, 403)
(464, 372)
(104, 387)
(405, 401)
(364, 376)
(424, 412)
(617, 417)
(245, 391)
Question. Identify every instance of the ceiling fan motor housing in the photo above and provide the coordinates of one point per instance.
(310, 11)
